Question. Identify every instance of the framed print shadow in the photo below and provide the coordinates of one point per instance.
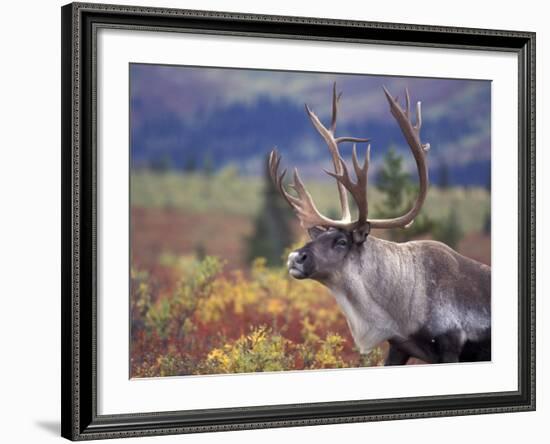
(205, 288)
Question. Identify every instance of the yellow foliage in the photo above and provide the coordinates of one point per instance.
(259, 351)
(275, 306)
(328, 355)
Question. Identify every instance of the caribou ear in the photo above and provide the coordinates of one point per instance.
(360, 233)
(315, 232)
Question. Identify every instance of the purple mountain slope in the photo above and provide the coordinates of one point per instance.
(186, 116)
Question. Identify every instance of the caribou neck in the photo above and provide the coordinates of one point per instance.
(380, 291)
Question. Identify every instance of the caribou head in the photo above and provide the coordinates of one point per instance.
(333, 240)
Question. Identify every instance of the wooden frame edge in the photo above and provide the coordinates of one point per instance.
(78, 411)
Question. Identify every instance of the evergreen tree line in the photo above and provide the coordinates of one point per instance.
(164, 164)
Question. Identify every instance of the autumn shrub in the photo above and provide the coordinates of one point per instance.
(260, 350)
(210, 321)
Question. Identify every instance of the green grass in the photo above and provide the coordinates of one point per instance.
(231, 193)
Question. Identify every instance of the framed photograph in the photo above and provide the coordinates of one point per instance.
(281, 221)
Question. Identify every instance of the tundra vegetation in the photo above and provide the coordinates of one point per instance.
(206, 298)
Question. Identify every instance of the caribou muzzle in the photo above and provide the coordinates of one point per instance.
(300, 264)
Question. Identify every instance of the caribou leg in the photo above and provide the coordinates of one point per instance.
(450, 346)
(396, 356)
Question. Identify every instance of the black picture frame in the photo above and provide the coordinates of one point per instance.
(80, 22)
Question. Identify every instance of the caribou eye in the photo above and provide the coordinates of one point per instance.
(341, 243)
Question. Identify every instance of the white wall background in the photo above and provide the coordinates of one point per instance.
(30, 221)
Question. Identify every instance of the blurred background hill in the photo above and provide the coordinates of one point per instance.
(184, 118)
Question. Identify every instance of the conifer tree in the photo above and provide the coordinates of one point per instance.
(448, 231)
(272, 226)
(444, 176)
(399, 191)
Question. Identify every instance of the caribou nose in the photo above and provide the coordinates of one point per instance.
(297, 264)
(296, 258)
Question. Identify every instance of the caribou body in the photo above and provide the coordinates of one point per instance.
(428, 301)
(424, 298)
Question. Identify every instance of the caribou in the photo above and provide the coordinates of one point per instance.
(422, 297)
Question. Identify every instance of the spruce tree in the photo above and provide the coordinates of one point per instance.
(393, 182)
(190, 165)
(208, 164)
(448, 231)
(162, 164)
(272, 226)
(487, 223)
(444, 176)
(399, 192)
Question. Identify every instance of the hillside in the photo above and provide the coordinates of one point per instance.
(184, 118)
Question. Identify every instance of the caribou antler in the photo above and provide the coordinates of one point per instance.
(419, 150)
(303, 203)
(357, 189)
(332, 143)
